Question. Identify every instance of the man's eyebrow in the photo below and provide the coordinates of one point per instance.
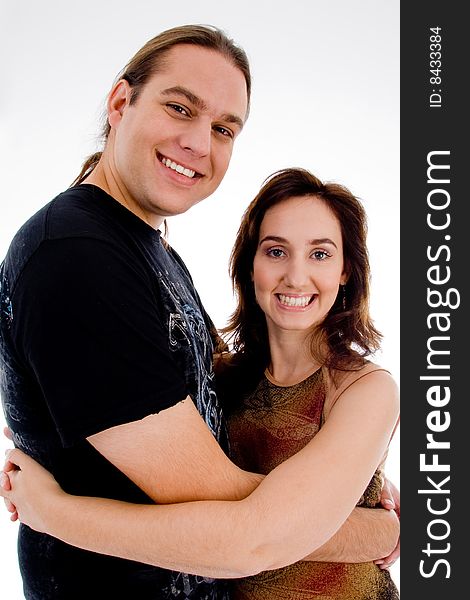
(188, 94)
(281, 240)
(229, 118)
(200, 104)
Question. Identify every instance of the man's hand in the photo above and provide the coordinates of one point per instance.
(390, 499)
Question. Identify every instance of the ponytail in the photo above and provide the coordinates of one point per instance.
(87, 167)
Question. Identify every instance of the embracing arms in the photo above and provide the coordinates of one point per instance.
(281, 521)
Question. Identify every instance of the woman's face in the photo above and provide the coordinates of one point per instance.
(298, 265)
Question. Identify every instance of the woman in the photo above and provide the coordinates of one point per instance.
(298, 242)
(304, 406)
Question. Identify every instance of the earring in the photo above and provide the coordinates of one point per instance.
(344, 296)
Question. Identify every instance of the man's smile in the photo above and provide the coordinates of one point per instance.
(171, 164)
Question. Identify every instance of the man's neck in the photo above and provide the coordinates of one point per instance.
(102, 177)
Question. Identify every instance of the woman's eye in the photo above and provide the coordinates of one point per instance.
(321, 254)
(275, 252)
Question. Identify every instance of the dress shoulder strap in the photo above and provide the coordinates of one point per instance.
(339, 381)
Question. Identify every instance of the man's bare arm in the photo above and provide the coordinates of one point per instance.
(190, 465)
(173, 457)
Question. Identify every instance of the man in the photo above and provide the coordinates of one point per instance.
(106, 348)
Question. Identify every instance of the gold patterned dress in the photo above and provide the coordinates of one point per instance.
(274, 423)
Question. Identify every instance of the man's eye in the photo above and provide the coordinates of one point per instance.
(179, 109)
(224, 131)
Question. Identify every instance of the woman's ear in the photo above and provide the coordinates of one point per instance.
(118, 99)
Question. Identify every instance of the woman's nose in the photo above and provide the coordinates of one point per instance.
(297, 275)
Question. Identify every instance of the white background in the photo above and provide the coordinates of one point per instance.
(325, 97)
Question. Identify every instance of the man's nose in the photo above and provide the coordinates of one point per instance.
(197, 138)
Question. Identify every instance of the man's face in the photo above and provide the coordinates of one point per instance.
(171, 148)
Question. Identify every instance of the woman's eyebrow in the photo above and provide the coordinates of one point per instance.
(320, 241)
(281, 240)
(273, 238)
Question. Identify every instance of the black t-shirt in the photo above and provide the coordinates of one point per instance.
(100, 325)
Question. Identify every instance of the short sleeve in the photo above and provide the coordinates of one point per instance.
(87, 323)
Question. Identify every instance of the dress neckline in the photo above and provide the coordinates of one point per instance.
(274, 381)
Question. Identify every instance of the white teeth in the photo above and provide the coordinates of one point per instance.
(178, 168)
(294, 300)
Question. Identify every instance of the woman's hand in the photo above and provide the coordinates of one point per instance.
(390, 499)
(5, 480)
(28, 489)
(5, 484)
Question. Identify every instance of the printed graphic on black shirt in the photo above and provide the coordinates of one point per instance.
(190, 341)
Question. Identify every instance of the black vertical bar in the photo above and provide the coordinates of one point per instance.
(434, 290)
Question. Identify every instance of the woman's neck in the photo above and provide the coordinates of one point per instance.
(291, 357)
